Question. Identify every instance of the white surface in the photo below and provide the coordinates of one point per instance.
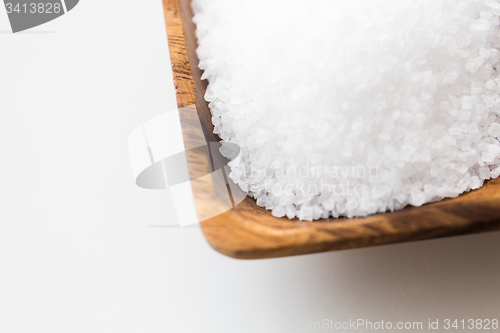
(77, 253)
(150, 145)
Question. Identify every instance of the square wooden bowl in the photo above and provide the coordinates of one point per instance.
(250, 232)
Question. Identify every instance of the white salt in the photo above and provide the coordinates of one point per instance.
(349, 108)
(494, 130)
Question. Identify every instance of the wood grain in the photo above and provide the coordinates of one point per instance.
(250, 232)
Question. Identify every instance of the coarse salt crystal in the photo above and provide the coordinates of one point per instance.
(399, 107)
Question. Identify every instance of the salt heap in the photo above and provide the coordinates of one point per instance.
(349, 108)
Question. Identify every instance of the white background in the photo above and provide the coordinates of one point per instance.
(77, 250)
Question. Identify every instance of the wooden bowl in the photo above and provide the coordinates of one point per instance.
(250, 232)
